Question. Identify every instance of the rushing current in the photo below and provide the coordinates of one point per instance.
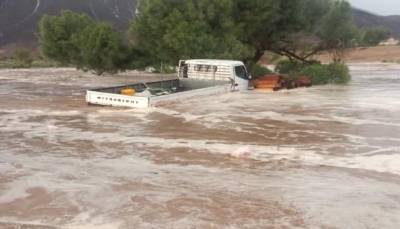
(321, 157)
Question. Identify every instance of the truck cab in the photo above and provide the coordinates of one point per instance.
(230, 71)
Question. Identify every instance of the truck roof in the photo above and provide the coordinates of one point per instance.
(214, 61)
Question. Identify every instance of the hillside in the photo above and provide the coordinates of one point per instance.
(19, 18)
(366, 19)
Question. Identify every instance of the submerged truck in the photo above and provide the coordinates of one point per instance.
(195, 78)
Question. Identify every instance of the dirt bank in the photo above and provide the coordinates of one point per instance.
(370, 54)
(359, 55)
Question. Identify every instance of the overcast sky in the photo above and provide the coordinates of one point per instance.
(382, 7)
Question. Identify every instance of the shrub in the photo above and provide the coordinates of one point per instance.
(17, 64)
(286, 66)
(258, 70)
(339, 73)
(76, 39)
(23, 55)
(334, 73)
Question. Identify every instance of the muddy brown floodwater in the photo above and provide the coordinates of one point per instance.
(321, 157)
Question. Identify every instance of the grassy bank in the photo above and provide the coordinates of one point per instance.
(12, 64)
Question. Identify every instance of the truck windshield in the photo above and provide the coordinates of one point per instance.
(240, 72)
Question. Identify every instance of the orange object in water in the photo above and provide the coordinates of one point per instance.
(304, 79)
(267, 82)
(130, 92)
(267, 86)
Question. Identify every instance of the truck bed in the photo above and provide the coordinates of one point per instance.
(161, 92)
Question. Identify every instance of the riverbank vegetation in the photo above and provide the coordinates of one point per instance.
(320, 74)
(166, 31)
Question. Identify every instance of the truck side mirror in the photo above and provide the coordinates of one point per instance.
(249, 76)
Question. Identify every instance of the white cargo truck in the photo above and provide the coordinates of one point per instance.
(195, 78)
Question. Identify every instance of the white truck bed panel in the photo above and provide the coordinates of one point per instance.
(200, 88)
(108, 99)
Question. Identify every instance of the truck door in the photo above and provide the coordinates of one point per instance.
(182, 69)
(241, 78)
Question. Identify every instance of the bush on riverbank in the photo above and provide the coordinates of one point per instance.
(258, 70)
(320, 74)
(287, 66)
(334, 73)
(12, 64)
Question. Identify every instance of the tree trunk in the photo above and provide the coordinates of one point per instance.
(251, 61)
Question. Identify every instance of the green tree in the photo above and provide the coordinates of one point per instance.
(173, 29)
(102, 50)
(77, 40)
(58, 34)
(275, 25)
(23, 55)
(236, 29)
(373, 36)
(338, 32)
(303, 43)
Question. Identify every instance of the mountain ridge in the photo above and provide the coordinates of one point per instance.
(366, 19)
(19, 19)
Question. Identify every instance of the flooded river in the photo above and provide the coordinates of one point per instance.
(321, 157)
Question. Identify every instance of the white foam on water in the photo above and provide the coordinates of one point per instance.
(381, 163)
(76, 168)
(344, 201)
(95, 226)
(67, 134)
(87, 189)
(373, 67)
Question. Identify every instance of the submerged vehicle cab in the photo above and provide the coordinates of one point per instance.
(231, 71)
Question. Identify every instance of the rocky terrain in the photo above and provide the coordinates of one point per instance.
(19, 19)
